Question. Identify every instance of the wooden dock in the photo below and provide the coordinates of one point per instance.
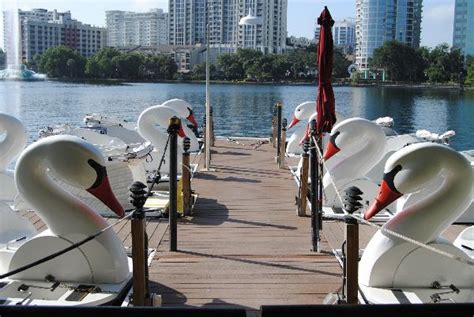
(244, 246)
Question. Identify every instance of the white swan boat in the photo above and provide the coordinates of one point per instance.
(395, 271)
(124, 162)
(366, 150)
(95, 273)
(127, 132)
(135, 161)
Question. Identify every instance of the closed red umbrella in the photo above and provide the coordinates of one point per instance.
(325, 103)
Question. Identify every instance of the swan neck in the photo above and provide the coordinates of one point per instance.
(440, 208)
(359, 163)
(11, 146)
(63, 213)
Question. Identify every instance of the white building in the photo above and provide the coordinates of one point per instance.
(137, 29)
(344, 35)
(41, 29)
(299, 42)
(188, 20)
(378, 21)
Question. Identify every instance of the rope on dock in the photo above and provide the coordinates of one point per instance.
(61, 252)
(388, 231)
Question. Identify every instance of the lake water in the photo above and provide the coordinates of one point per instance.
(239, 110)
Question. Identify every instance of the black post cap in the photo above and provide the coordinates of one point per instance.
(186, 144)
(138, 194)
(174, 124)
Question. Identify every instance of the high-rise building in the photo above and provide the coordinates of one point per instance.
(463, 32)
(126, 29)
(41, 29)
(378, 21)
(344, 35)
(188, 21)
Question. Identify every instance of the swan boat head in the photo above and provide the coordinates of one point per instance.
(305, 112)
(360, 141)
(302, 112)
(13, 142)
(153, 119)
(68, 219)
(389, 261)
(412, 168)
(183, 108)
(153, 123)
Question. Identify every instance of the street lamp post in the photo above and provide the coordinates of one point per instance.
(207, 141)
(252, 20)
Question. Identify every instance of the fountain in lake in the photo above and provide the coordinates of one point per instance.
(15, 69)
(20, 72)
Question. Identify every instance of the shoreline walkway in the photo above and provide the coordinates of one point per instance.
(244, 246)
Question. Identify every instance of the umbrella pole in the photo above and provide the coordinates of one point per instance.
(314, 167)
(278, 131)
(319, 141)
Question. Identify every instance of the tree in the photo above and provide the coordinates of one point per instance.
(54, 63)
(470, 69)
(341, 64)
(129, 66)
(168, 67)
(303, 64)
(70, 64)
(401, 61)
(199, 71)
(100, 64)
(280, 66)
(231, 66)
(2, 58)
(446, 64)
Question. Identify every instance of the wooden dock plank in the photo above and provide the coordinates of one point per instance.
(244, 245)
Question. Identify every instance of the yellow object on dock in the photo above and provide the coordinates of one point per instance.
(161, 200)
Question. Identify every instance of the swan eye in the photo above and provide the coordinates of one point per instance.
(333, 138)
(190, 111)
(390, 176)
(100, 170)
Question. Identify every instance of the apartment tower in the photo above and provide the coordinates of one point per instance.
(188, 21)
(126, 29)
(378, 21)
(463, 32)
(41, 29)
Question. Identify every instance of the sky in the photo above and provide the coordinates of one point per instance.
(437, 25)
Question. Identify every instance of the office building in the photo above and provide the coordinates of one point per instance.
(188, 21)
(40, 29)
(125, 29)
(378, 21)
(344, 35)
(463, 31)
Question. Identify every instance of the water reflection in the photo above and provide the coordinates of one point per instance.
(240, 110)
